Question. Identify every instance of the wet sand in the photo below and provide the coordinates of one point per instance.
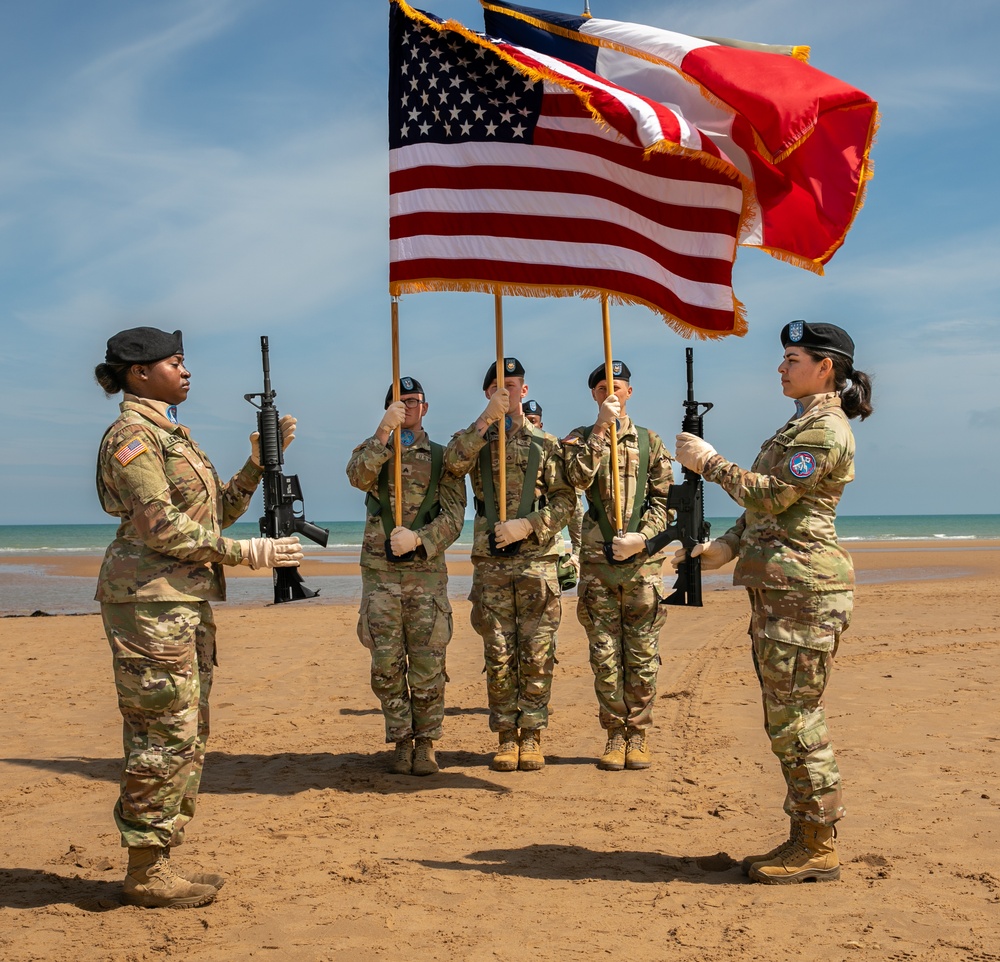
(330, 857)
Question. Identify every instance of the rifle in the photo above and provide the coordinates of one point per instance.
(687, 500)
(281, 491)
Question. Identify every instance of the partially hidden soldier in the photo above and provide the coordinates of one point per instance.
(800, 581)
(405, 619)
(515, 594)
(155, 585)
(620, 597)
(569, 561)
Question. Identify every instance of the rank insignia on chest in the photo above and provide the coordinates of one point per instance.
(802, 464)
(406, 437)
(131, 451)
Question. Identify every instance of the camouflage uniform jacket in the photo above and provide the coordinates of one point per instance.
(172, 505)
(589, 458)
(363, 471)
(786, 537)
(461, 457)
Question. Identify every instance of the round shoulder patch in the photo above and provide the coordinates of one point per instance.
(802, 464)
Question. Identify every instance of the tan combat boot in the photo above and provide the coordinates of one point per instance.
(532, 758)
(151, 885)
(508, 755)
(637, 754)
(776, 852)
(812, 857)
(424, 762)
(199, 878)
(402, 758)
(613, 759)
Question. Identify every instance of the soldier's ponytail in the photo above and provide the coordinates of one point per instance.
(856, 400)
(111, 377)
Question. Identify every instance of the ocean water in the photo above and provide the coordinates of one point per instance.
(27, 587)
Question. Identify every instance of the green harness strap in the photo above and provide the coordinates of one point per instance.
(429, 508)
(594, 491)
(490, 508)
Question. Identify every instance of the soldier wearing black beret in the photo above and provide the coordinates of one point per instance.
(800, 580)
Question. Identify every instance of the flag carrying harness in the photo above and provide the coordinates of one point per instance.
(429, 508)
(488, 506)
(597, 510)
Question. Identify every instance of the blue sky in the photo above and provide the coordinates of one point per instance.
(220, 166)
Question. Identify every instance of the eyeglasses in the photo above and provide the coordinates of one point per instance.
(412, 402)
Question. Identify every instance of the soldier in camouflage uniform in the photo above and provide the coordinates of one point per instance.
(515, 598)
(620, 602)
(799, 578)
(156, 582)
(405, 619)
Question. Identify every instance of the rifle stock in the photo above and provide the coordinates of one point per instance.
(284, 512)
(687, 500)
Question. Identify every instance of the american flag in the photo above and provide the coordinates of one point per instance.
(515, 172)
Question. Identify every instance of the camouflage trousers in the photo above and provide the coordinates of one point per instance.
(163, 655)
(516, 609)
(795, 636)
(622, 615)
(405, 622)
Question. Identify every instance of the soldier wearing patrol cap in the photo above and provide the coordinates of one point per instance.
(515, 588)
(619, 596)
(405, 618)
(155, 585)
(799, 578)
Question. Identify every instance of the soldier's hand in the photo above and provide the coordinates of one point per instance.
(394, 416)
(507, 532)
(286, 427)
(574, 562)
(610, 411)
(713, 555)
(693, 452)
(497, 407)
(271, 552)
(625, 546)
(403, 541)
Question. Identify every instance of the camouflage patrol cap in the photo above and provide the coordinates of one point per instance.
(142, 345)
(818, 337)
(619, 371)
(407, 385)
(511, 368)
(531, 407)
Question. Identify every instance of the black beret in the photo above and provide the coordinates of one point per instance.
(531, 407)
(511, 368)
(142, 345)
(619, 372)
(407, 385)
(818, 337)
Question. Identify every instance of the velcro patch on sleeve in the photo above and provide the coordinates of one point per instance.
(132, 450)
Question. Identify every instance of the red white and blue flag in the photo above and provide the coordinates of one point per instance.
(799, 137)
(512, 171)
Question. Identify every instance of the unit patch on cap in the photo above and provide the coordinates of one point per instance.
(802, 464)
(616, 368)
(132, 450)
(795, 331)
(510, 365)
(407, 383)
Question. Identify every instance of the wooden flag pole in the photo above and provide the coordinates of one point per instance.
(610, 381)
(397, 454)
(501, 424)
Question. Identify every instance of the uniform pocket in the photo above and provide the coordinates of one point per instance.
(364, 629)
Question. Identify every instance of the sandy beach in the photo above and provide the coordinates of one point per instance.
(329, 857)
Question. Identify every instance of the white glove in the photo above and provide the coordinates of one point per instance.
(693, 452)
(713, 555)
(497, 407)
(622, 548)
(610, 411)
(271, 552)
(394, 416)
(403, 541)
(507, 532)
(287, 428)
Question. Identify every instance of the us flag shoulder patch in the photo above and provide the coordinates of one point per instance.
(131, 451)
